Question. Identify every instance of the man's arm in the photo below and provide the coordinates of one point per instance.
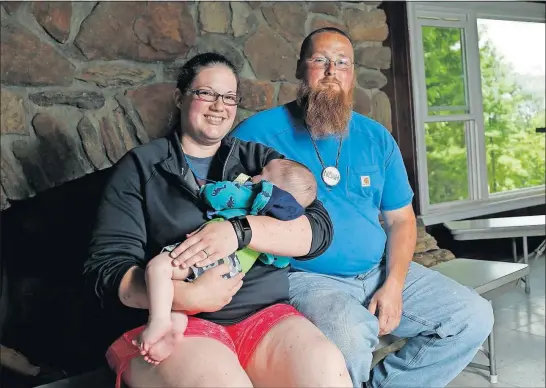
(304, 238)
(402, 235)
(283, 238)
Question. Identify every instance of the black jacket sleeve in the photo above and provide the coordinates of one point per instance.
(119, 235)
(321, 224)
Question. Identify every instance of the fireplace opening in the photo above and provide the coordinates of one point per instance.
(47, 313)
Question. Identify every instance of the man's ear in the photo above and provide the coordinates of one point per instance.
(177, 96)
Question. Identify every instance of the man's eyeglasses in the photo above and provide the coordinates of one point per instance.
(324, 63)
(212, 96)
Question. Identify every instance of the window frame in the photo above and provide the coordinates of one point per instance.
(465, 16)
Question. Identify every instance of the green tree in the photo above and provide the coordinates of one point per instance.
(515, 153)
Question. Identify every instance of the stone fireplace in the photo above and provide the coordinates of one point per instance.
(84, 82)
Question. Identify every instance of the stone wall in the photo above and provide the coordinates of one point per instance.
(84, 82)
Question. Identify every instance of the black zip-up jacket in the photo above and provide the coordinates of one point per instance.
(151, 201)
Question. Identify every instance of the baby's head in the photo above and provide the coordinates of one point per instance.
(291, 177)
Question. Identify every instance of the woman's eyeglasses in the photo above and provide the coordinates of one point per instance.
(212, 96)
(324, 63)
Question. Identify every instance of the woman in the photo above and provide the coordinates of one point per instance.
(244, 333)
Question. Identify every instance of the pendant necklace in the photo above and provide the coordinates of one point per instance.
(330, 175)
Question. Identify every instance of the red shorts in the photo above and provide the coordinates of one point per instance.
(242, 338)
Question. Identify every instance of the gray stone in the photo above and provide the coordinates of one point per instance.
(171, 71)
(83, 100)
(112, 140)
(132, 117)
(4, 203)
(137, 31)
(277, 63)
(371, 79)
(256, 95)
(374, 57)
(381, 110)
(11, 6)
(241, 22)
(54, 17)
(221, 45)
(326, 7)
(363, 104)
(26, 60)
(92, 144)
(322, 22)
(287, 93)
(214, 16)
(287, 19)
(242, 114)
(27, 153)
(13, 180)
(155, 107)
(12, 114)
(125, 128)
(57, 150)
(367, 26)
(114, 75)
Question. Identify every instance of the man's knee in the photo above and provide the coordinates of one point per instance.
(342, 319)
(472, 322)
(481, 319)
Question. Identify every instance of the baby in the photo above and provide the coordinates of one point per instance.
(282, 190)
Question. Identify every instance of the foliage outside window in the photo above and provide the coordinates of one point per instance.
(478, 128)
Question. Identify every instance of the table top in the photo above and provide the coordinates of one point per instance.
(492, 223)
(498, 227)
(481, 275)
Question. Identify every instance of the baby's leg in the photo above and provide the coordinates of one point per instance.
(160, 290)
(165, 346)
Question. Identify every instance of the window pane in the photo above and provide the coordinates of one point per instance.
(446, 161)
(444, 70)
(513, 86)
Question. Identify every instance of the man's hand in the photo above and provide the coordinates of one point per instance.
(206, 245)
(388, 300)
(211, 292)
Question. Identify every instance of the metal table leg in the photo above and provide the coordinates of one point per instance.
(526, 261)
(514, 250)
(493, 378)
(491, 357)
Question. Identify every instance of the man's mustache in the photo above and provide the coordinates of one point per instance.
(330, 80)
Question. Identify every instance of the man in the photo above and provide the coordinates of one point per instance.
(354, 292)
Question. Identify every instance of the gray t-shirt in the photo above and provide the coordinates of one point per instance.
(200, 167)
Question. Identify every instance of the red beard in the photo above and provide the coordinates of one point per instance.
(326, 110)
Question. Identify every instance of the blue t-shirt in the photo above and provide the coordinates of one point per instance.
(373, 179)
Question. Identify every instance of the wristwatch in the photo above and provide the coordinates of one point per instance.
(242, 231)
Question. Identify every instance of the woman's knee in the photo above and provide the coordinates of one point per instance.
(326, 362)
(196, 362)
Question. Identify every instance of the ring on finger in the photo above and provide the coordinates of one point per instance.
(206, 253)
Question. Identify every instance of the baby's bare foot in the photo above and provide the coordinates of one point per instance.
(154, 332)
(163, 348)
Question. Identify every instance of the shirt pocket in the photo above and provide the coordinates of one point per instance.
(365, 184)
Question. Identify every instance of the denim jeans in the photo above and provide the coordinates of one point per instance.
(445, 322)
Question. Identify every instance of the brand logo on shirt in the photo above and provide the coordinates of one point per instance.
(365, 181)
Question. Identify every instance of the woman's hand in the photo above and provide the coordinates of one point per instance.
(211, 292)
(206, 245)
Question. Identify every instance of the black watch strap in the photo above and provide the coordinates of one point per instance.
(247, 231)
(242, 231)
